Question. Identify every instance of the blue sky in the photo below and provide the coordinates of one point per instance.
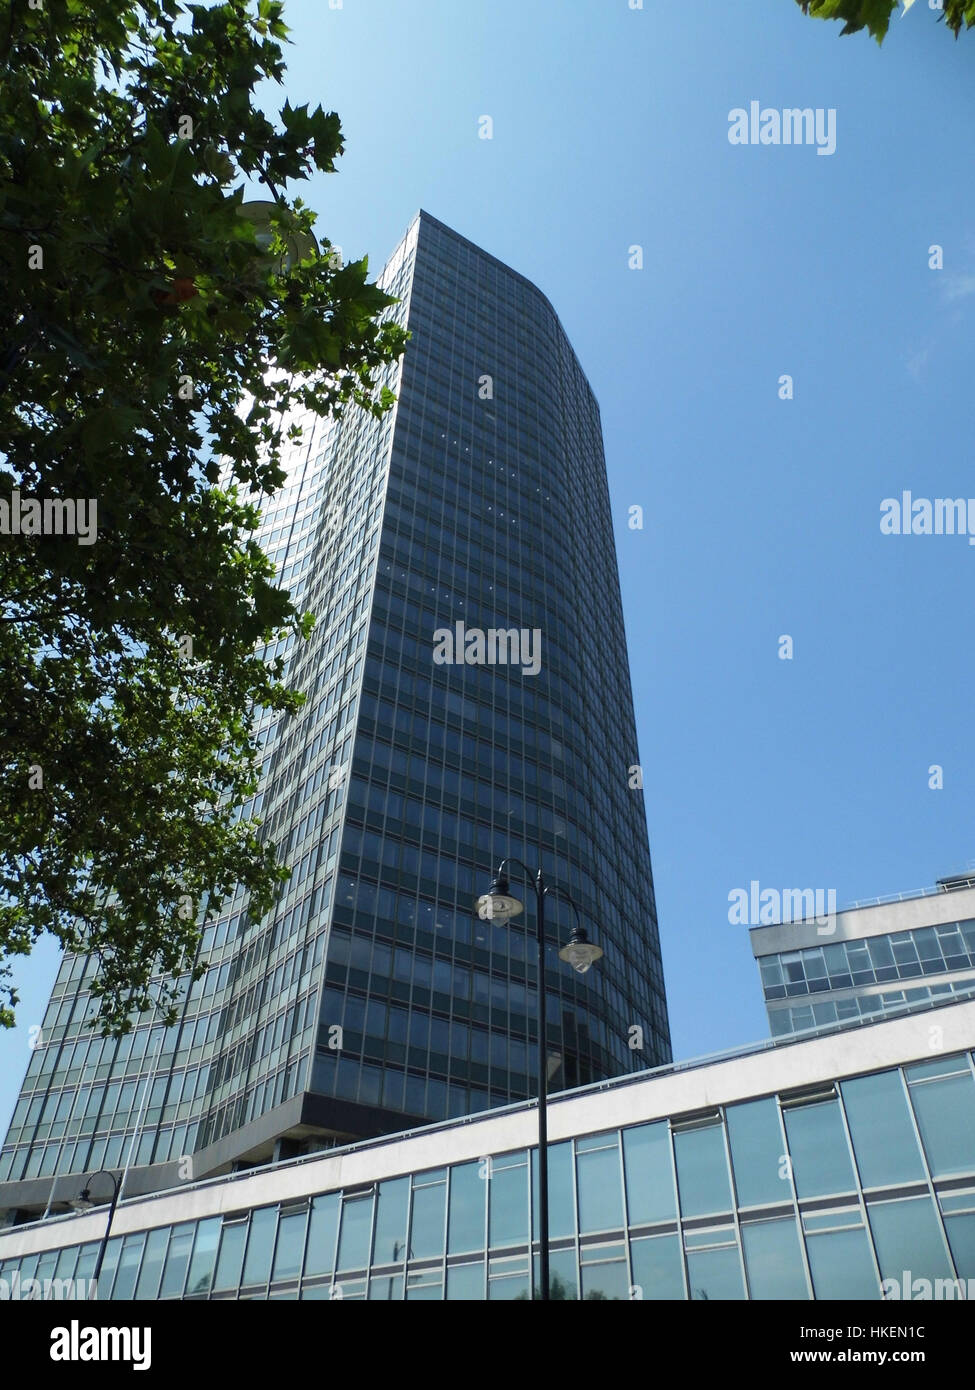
(761, 515)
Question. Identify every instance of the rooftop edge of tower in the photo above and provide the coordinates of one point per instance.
(422, 216)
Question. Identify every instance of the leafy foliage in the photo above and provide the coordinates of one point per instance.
(875, 15)
(142, 319)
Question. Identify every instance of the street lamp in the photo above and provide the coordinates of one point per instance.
(83, 1202)
(579, 952)
(498, 905)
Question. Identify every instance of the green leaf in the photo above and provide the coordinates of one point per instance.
(150, 759)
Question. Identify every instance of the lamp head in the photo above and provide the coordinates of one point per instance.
(497, 904)
(579, 952)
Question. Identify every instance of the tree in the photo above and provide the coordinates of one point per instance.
(142, 321)
(875, 15)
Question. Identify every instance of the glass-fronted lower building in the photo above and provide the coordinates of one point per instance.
(467, 698)
(840, 1166)
(868, 959)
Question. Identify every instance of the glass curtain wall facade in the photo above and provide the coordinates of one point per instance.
(843, 1190)
(898, 960)
(869, 959)
(371, 997)
(497, 517)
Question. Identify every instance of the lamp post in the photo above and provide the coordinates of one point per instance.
(83, 1202)
(497, 905)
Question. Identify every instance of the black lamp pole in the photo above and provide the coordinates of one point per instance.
(498, 905)
(85, 1197)
(543, 1279)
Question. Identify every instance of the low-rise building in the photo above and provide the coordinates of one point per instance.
(836, 1166)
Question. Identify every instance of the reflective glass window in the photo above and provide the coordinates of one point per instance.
(773, 1260)
(177, 1259)
(906, 1236)
(771, 971)
(230, 1260)
(260, 1242)
(657, 1268)
(152, 1262)
(508, 1278)
(386, 1287)
(389, 1241)
(879, 950)
(926, 941)
(352, 1290)
(881, 1129)
(128, 1266)
(650, 1194)
(600, 1183)
(468, 1192)
(715, 1275)
(602, 1273)
(508, 1200)
(290, 1245)
(426, 1286)
(815, 965)
(429, 1216)
(821, 1161)
(322, 1230)
(945, 1110)
(563, 1276)
(702, 1171)
(204, 1254)
(68, 1258)
(85, 1267)
(466, 1282)
(356, 1230)
(757, 1147)
(961, 1238)
(841, 1265)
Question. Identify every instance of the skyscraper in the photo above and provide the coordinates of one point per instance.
(468, 699)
